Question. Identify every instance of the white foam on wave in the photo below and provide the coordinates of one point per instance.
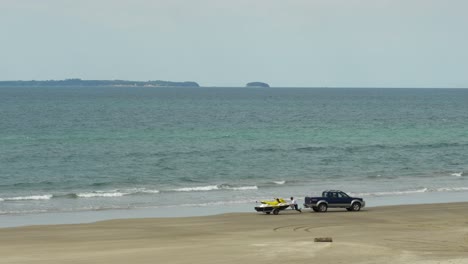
(423, 190)
(197, 189)
(101, 194)
(457, 174)
(32, 197)
(116, 193)
(149, 191)
(452, 189)
(242, 188)
(137, 190)
(215, 187)
(279, 182)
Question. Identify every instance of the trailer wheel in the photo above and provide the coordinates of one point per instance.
(276, 211)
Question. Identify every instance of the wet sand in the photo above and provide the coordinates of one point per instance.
(433, 233)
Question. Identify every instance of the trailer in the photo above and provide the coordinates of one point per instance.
(274, 206)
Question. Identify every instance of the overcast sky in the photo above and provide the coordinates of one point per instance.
(292, 43)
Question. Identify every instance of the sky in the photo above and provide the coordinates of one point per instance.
(286, 43)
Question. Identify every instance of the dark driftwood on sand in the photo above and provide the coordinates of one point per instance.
(323, 239)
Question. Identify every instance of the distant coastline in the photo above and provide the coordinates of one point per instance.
(94, 83)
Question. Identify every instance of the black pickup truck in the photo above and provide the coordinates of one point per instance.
(334, 199)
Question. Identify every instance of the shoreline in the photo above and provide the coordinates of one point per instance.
(424, 233)
(86, 217)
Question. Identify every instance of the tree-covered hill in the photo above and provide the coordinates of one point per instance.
(80, 82)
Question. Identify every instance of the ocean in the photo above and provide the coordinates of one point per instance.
(135, 149)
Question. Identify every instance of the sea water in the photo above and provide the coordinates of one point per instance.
(187, 150)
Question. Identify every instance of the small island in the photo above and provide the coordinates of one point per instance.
(257, 84)
(95, 83)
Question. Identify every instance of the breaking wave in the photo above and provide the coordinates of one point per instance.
(452, 189)
(125, 192)
(26, 198)
(414, 191)
(113, 193)
(279, 182)
(215, 187)
(101, 194)
(458, 174)
(391, 193)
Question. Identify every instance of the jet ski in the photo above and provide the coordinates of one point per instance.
(273, 206)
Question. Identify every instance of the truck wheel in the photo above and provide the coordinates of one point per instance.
(322, 208)
(276, 211)
(356, 206)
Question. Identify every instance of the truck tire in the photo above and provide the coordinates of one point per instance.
(356, 206)
(323, 207)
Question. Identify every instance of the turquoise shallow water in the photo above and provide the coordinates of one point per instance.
(88, 149)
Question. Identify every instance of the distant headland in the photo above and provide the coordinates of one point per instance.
(257, 84)
(94, 83)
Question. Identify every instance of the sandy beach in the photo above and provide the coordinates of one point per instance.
(434, 233)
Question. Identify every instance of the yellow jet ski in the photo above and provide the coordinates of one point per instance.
(273, 206)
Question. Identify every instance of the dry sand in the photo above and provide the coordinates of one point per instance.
(435, 233)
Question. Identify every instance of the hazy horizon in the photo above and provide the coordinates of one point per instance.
(201, 85)
(298, 43)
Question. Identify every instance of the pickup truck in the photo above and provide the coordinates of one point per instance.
(334, 199)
